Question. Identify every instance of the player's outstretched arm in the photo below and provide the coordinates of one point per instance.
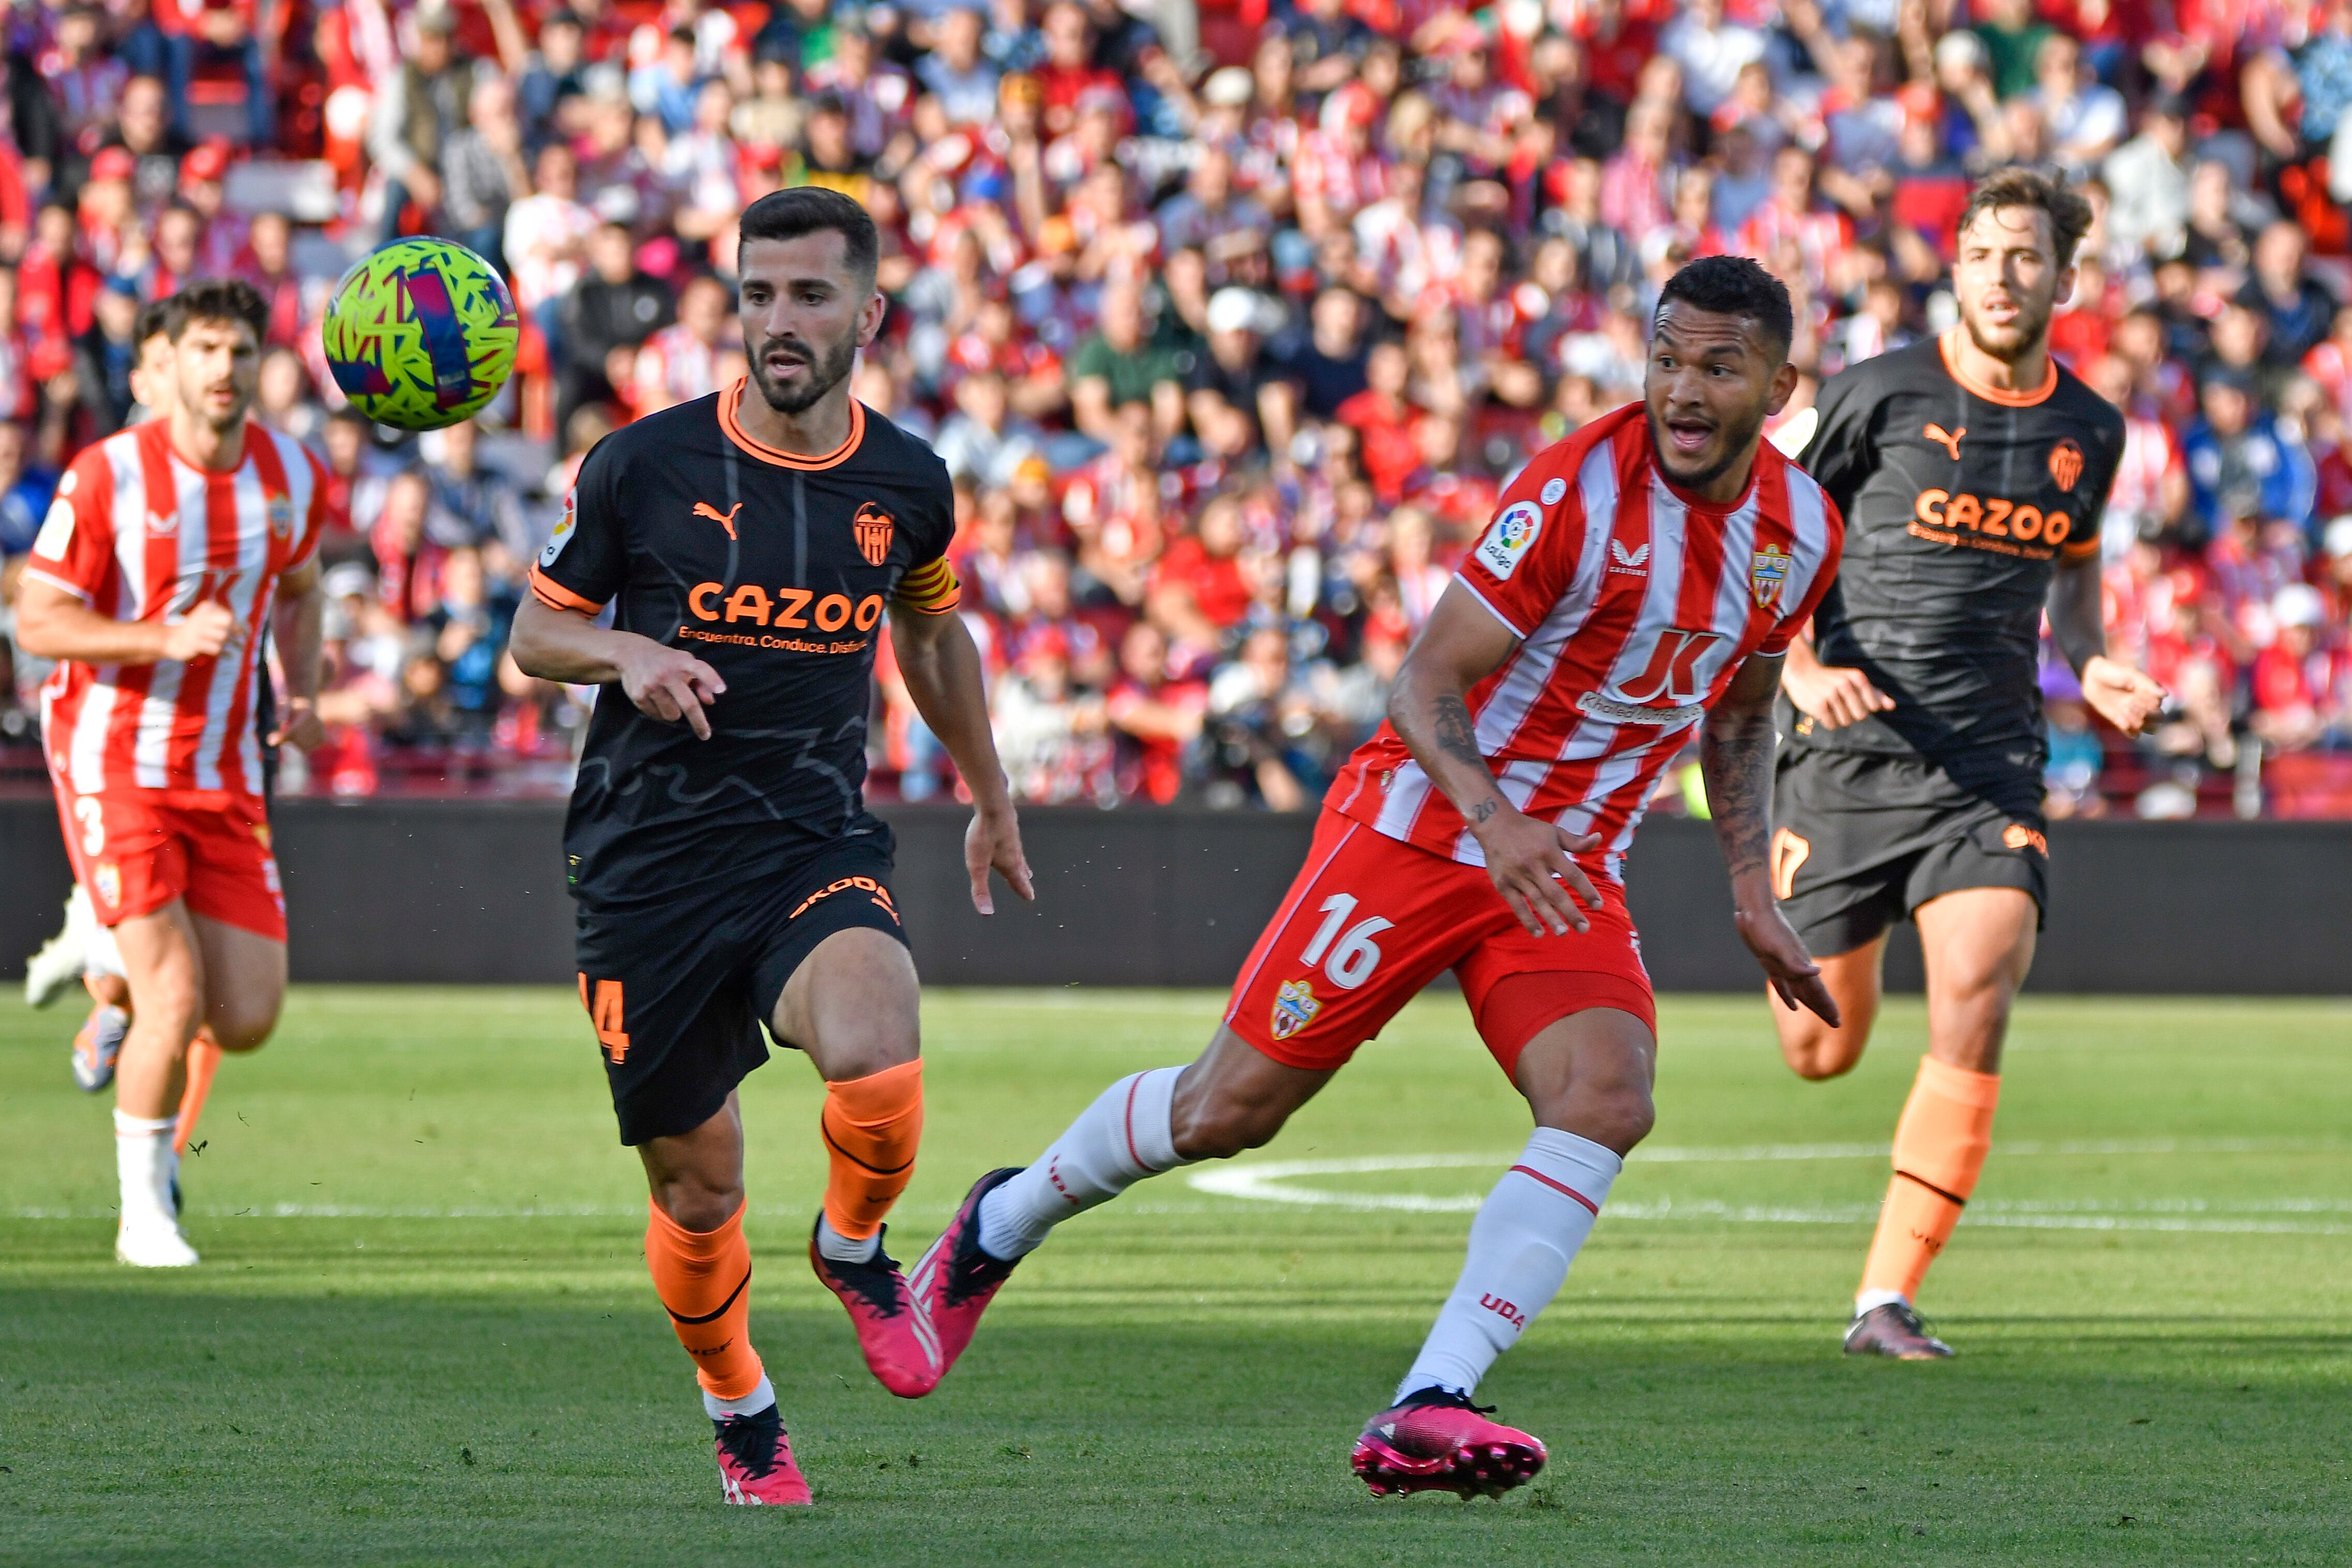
(300, 616)
(941, 668)
(2117, 693)
(665, 683)
(1529, 860)
(1736, 756)
(52, 624)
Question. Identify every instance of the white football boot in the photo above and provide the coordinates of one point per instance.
(153, 1241)
(52, 971)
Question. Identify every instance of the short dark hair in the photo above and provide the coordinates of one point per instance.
(154, 317)
(1735, 286)
(813, 209)
(216, 300)
(2069, 213)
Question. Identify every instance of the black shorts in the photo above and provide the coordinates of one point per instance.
(1861, 841)
(678, 991)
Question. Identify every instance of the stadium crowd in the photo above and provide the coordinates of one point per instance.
(1228, 339)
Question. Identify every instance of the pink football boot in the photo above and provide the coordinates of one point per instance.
(954, 1280)
(1438, 1441)
(898, 1345)
(755, 1462)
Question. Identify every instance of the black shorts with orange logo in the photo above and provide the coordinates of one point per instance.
(679, 991)
(1860, 839)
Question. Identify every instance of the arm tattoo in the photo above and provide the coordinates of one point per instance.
(1736, 758)
(1455, 733)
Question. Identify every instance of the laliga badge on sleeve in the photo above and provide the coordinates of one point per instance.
(1506, 541)
(563, 534)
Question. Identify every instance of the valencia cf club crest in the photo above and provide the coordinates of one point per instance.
(1295, 1008)
(108, 884)
(2066, 464)
(1768, 574)
(281, 518)
(873, 528)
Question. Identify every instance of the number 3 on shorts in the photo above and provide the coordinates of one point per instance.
(91, 814)
(1354, 957)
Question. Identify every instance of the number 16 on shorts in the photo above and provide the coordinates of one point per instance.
(1344, 947)
(1346, 952)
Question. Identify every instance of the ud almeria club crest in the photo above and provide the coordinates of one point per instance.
(1295, 1008)
(1768, 574)
(874, 528)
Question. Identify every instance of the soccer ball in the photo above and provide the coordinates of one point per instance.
(421, 334)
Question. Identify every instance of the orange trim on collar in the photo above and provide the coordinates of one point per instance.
(731, 399)
(1991, 393)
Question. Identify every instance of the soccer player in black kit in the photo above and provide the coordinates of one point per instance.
(726, 872)
(1972, 470)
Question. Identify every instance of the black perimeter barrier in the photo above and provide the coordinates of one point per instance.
(457, 892)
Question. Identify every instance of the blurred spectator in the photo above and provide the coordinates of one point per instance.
(613, 307)
(482, 172)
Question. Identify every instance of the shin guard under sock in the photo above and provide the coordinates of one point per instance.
(872, 1127)
(704, 1280)
(1940, 1149)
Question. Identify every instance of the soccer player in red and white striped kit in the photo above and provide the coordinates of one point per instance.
(1639, 584)
(168, 544)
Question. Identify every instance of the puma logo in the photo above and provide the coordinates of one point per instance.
(725, 520)
(1948, 440)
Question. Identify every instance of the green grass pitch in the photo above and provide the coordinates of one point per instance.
(422, 1332)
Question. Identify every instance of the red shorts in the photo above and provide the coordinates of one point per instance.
(1371, 921)
(135, 852)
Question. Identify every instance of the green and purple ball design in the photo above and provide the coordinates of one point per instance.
(421, 334)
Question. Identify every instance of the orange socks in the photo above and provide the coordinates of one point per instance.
(704, 1278)
(871, 1126)
(204, 1060)
(1939, 1148)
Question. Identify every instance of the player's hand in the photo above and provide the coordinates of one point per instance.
(992, 842)
(1794, 977)
(667, 684)
(299, 727)
(201, 633)
(1833, 696)
(2120, 695)
(1532, 864)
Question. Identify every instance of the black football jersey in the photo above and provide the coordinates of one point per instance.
(775, 569)
(1959, 499)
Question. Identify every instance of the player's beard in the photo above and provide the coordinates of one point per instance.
(1741, 434)
(826, 371)
(2011, 343)
(200, 406)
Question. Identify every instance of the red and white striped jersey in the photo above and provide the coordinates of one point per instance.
(139, 533)
(1635, 605)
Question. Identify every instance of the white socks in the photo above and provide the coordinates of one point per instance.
(1122, 1137)
(146, 1165)
(1869, 1299)
(751, 1403)
(833, 1244)
(1526, 1233)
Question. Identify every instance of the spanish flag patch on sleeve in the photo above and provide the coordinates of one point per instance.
(931, 588)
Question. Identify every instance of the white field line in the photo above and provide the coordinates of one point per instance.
(1274, 1182)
